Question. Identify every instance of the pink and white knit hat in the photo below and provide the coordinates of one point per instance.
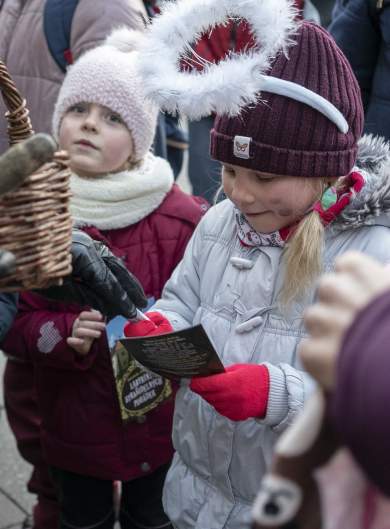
(107, 75)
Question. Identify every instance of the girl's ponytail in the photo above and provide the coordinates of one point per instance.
(302, 258)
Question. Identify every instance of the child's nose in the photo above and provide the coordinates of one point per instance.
(90, 122)
(242, 195)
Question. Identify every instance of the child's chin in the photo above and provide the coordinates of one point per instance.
(267, 226)
(264, 226)
(84, 171)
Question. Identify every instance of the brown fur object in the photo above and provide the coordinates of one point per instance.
(289, 496)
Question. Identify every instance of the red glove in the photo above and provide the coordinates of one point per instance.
(156, 325)
(239, 393)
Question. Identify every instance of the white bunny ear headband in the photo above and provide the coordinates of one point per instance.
(235, 82)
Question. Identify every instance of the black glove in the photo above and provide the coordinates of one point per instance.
(7, 263)
(99, 280)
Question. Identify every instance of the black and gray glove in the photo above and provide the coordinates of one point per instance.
(99, 280)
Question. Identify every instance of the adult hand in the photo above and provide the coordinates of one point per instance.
(99, 280)
(341, 295)
(86, 328)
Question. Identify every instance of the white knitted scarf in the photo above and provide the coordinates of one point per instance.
(120, 199)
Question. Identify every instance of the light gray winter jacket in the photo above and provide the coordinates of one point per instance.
(24, 49)
(232, 291)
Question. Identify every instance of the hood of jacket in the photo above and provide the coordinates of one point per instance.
(371, 206)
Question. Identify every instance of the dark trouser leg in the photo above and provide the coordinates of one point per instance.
(24, 420)
(175, 159)
(141, 506)
(85, 502)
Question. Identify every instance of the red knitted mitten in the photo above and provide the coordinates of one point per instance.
(239, 393)
(156, 325)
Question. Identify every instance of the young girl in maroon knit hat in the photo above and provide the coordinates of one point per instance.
(289, 119)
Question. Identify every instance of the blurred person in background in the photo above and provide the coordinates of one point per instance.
(362, 29)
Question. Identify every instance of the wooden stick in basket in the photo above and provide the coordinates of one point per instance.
(23, 159)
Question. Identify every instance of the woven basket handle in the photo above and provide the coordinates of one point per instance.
(19, 123)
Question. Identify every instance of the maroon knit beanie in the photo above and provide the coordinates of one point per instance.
(291, 138)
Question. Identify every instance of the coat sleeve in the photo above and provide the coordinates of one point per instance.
(94, 20)
(39, 335)
(359, 39)
(185, 233)
(180, 297)
(8, 310)
(288, 391)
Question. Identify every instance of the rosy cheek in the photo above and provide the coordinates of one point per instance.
(285, 212)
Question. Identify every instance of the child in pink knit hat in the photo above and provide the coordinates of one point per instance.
(126, 197)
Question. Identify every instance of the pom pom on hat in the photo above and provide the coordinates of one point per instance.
(107, 75)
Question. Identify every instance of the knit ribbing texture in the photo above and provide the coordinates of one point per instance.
(291, 138)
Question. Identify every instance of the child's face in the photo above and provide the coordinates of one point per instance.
(97, 140)
(269, 202)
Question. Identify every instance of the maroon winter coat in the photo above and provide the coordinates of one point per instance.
(81, 426)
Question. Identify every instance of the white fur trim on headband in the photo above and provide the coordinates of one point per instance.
(274, 85)
(233, 83)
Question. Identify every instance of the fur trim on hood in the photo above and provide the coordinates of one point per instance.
(371, 206)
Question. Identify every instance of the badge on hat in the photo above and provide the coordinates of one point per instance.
(241, 146)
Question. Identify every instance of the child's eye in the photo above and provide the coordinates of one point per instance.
(78, 109)
(264, 178)
(228, 170)
(114, 118)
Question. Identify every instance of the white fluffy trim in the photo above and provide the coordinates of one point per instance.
(124, 39)
(121, 199)
(224, 88)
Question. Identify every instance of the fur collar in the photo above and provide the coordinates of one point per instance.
(121, 199)
(372, 204)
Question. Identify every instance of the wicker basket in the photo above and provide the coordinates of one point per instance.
(35, 222)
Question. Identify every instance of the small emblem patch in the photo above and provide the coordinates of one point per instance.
(49, 337)
(241, 146)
